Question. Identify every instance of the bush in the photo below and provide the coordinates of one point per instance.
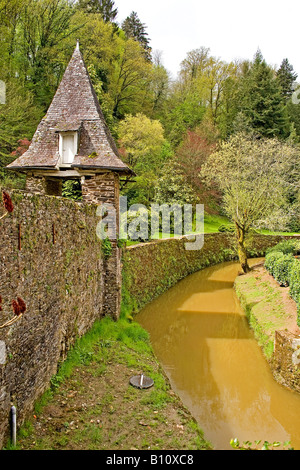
(286, 270)
(294, 280)
(271, 260)
(285, 247)
(281, 269)
(226, 228)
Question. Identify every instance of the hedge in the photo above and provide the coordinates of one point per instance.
(281, 263)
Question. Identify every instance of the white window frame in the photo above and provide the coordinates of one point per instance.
(61, 137)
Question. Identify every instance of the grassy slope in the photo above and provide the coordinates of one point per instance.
(91, 404)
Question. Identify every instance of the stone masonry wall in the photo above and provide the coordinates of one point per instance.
(286, 359)
(51, 257)
(151, 268)
(104, 189)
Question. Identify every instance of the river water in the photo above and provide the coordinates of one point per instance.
(201, 336)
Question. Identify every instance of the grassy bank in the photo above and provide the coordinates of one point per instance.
(91, 405)
(267, 305)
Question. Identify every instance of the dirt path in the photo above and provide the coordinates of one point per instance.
(96, 407)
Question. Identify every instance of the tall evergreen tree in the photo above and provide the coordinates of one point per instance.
(261, 100)
(286, 78)
(105, 7)
(134, 28)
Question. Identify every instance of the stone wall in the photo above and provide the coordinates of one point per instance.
(151, 268)
(51, 257)
(286, 359)
(103, 188)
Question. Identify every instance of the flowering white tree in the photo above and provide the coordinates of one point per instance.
(255, 177)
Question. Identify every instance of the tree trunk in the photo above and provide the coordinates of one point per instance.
(242, 253)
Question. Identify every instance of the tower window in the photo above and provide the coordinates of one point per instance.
(68, 142)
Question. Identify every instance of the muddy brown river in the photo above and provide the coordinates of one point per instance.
(201, 336)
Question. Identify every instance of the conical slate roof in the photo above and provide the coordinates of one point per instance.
(75, 107)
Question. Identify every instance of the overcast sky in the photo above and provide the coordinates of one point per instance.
(231, 29)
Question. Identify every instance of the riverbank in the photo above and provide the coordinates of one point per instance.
(268, 307)
(92, 406)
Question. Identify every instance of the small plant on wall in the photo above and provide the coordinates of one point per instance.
(7, 204)
(19, 308)
(106, 248)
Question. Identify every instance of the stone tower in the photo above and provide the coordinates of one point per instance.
(73, 142)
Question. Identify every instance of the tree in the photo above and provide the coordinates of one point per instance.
(172, 187)
(194, 64)
(205, 88)
(135, 29)
(255, 176)
(286, 78)
(130, 81)
(192, 154)
(143, 147)
(142, 140)
(41, 45)
(261, 100)
(159, 87)
(105, 7)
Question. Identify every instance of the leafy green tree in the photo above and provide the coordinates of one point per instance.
(255, 176)
(135, 29)
(205, 88)
(130, 81)
(144, 148)
(159, 88)
(142, 140)
(18, 120)
(172, 187)
(184, 110)
(41, 45)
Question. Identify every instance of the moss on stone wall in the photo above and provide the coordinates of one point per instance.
(149, 269)
(57, 268)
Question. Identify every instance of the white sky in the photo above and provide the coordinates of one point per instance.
(231, 29)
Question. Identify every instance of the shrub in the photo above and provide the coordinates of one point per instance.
(294, 280)
(272, 260)
(286, 270)
(226, 228)
(281, 269)
(285, 247)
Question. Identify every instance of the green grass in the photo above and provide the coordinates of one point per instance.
(269, 232)
(211, 225)
(102, 358)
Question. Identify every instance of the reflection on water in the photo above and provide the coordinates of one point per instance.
(201, 336)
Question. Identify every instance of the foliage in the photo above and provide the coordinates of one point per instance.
(279, 266)
(106, 247)
(104, 7)
(192, 153)
(286, 78)
(226, 228)
(144, 148)
(236, 165)
(173, 187)
(265, 445)
(281, 263)
(285, 247)
(134, 28)
(294, 280)
(141, 140)
(72, 190)
(261, 100)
